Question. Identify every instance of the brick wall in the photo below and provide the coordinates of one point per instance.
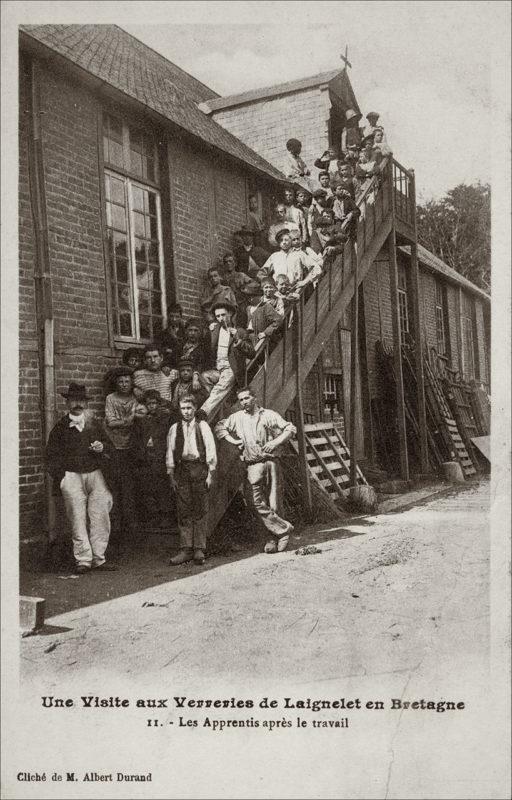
(428, 299)
(482, 344)
(208, 204)
(266, 125)
(30, 450)
(452, 300)
(377, 309)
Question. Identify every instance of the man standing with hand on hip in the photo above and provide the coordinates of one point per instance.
(191, 462)
(259, 433)
(76, 453)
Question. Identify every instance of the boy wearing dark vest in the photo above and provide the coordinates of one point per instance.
(191, 462)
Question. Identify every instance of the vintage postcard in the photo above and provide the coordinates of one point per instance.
(255, 400)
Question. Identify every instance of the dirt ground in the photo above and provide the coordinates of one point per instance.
(387, 577)
(392, 606)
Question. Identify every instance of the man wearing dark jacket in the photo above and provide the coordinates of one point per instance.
(249, 257)
(77, 453)
(231, 347)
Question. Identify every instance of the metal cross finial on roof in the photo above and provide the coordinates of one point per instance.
(344, 58)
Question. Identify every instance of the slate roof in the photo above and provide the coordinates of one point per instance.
(218, 103)
(437, 265)
(120, 60)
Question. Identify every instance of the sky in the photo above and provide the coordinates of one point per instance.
(425, 66)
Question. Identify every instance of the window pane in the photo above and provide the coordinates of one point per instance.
(120, 245)
(122, 270)
(138, 224)
(153, 252)
(118, 217)
(156, 279)
(157, 326)
(125, 325)
(153, 228)
(143, 277)
(144, 300)
(152, 203)
(124, 298)
(145, 327)
(140, 251)
(117, 191)
(138, 198)
(156, 298)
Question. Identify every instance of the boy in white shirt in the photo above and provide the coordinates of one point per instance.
(191, 461)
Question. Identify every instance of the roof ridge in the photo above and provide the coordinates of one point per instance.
(285, 86)
(167, 60)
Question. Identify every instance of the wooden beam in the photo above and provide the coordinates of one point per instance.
(397, 354)
(419, 339)
(354, 363)
(299, 407)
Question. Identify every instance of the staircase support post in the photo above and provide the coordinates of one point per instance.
(299, 408)
(419, 338)
(397, 354)
(354, 361)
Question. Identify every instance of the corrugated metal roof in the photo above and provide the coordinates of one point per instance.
(437, 265)
(218, 103)
(120, 60)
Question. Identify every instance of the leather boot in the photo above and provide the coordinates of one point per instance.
(198, 556)
(181, 558)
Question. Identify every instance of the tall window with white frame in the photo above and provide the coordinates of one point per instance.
(134, 230)
(403, 308)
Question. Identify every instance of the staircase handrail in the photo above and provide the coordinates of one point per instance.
(263, 351)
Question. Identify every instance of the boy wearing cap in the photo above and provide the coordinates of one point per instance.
(351, 134)
(242, 286)
(187, 386)
(345, 210)
(264, 319)
(277, 226)
(191, 461)
(150, 449)
(121, 410)
(171, 338)
(288, 261)
(318, 204)
(368, 131)
(216, 292)
(294, 215)
(196, 347)
(252, 253)
(77, 453)
(324, 179)
(256, 223)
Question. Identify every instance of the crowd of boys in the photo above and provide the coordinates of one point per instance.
(154, 458)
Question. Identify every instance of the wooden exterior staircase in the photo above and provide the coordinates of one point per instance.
(276, 374)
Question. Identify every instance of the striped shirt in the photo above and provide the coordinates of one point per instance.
(145, 379)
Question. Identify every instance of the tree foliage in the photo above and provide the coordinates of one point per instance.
(457, 229)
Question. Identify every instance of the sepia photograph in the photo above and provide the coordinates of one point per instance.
(255, 399)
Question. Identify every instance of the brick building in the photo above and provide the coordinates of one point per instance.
(133, 178)
(128, 193)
